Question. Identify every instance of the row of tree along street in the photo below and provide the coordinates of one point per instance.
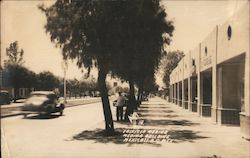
(123, 39)
(17, 76)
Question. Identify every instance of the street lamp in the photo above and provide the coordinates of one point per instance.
(64, 66)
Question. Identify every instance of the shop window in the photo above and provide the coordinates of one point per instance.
(206, 50)
(193, 62)
(242, 96)
(229, 32)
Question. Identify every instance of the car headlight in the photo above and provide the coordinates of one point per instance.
(58, 105)
(49, 105)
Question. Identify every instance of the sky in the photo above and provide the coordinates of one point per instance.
(194, 20)
(22, 21)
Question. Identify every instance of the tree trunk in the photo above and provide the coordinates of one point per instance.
(16, 93)
(139, 96)
(132, 102)
(109, 125)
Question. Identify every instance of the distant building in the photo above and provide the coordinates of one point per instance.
(213, 80)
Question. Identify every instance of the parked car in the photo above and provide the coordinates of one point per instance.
(5, 97)
(96, 94)
(43, 102)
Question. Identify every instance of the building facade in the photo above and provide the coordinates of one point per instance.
(213, 79)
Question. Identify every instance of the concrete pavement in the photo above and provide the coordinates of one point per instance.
(44, 136)
(79, 134)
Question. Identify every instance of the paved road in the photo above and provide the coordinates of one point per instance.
(15, 108)
(46, 137)
(75, 135)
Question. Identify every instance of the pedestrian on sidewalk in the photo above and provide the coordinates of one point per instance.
(120, 102)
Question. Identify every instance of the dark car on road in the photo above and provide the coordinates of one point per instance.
(43, 102)
(5, 97)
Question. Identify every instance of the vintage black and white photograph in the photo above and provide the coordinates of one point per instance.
(125, 78)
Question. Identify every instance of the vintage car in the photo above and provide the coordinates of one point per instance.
(43, 102)
(5, 97)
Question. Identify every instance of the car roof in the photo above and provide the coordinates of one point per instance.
(3, 91)
(43, 92)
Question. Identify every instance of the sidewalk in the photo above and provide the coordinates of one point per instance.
(168, 131)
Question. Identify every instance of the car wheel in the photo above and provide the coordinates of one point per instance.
(25, 115)
(61, 112)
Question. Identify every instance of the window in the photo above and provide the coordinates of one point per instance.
(206, 50)
(193, 62)
(229, 32)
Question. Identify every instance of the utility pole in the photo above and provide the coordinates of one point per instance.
(64, 66)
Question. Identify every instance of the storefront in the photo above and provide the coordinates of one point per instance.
(214, 78)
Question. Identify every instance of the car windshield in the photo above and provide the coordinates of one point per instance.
(38, 97)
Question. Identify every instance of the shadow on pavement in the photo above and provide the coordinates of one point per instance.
(42, 117)
(179, 136)
(150, 104)
(172, 136)
(152, 110)
(213, 156)
(99, 136)
(157, 115)
(153, 107)
(165, 122)
(155, 110)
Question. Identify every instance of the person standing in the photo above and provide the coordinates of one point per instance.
(119, 106)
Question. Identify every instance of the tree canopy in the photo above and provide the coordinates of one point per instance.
(143, 33)
(116, 36)
(169, 62)
(18, 76)
(47, 81)
(15, 56)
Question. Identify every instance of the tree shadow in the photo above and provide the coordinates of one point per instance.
(179, 136)
(151, 104)
(213, 156)
(157, 115)
(173, 136)
(153, 107)
(99, 136)
(165, 122)
(154, 111)
(159, 111)
(42, 117)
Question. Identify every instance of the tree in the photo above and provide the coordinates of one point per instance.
(71, 86)
(47, 81)
(169, 62)
(15, 56)
(151, 87)
(84, 29)
(105, 34)
(143, 33)
(19, 77)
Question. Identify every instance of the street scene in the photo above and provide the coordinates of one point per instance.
(78, 134)
(121, 78)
